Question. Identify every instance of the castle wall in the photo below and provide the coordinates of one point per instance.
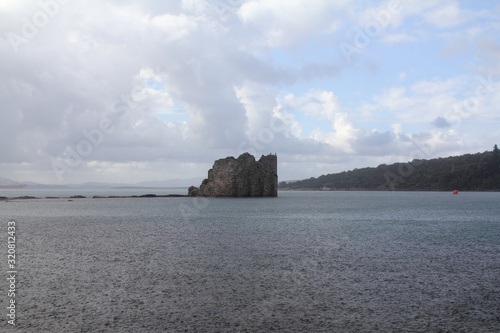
(242, 177)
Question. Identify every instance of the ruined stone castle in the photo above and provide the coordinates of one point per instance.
(240, 177)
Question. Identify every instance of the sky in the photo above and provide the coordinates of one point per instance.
(130, 91)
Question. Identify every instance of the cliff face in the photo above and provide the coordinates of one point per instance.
(241, 177)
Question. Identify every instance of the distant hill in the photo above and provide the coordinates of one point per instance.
(96, 185)
(470, 172)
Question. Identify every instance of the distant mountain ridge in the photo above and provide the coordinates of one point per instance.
(90, 185)
(469, 172)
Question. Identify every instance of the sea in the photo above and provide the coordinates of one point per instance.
(301, 262)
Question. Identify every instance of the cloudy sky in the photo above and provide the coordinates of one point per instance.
(130, 91)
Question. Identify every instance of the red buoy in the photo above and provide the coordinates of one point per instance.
(455, 192)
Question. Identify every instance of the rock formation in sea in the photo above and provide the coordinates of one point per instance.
(240, 177)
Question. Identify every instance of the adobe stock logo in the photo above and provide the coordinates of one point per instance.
(467, 107)
(73, 157)
(263, 138)
(224, 8)
(32, 26)
(372, 29)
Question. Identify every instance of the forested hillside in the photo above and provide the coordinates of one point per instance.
(470, 172)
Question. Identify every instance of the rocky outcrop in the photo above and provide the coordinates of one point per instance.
(241, 177)
(193, 191)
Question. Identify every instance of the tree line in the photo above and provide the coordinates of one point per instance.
(469, 172)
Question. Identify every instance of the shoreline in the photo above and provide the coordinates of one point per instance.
(152, 195)
(375, 190)
(27, 197)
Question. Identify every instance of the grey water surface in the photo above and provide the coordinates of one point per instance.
(302, 262)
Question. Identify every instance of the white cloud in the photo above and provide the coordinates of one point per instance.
(427, 87)
(445, 16)
(185, 82)
(450, 15)
(386, 14)
(393, 99)
(259, 102)
(316, 104)
(398, 38)
(280, 112)
(284, 23)
(174, 27)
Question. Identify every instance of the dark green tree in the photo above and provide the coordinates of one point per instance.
(496, 159)
(469, 172)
